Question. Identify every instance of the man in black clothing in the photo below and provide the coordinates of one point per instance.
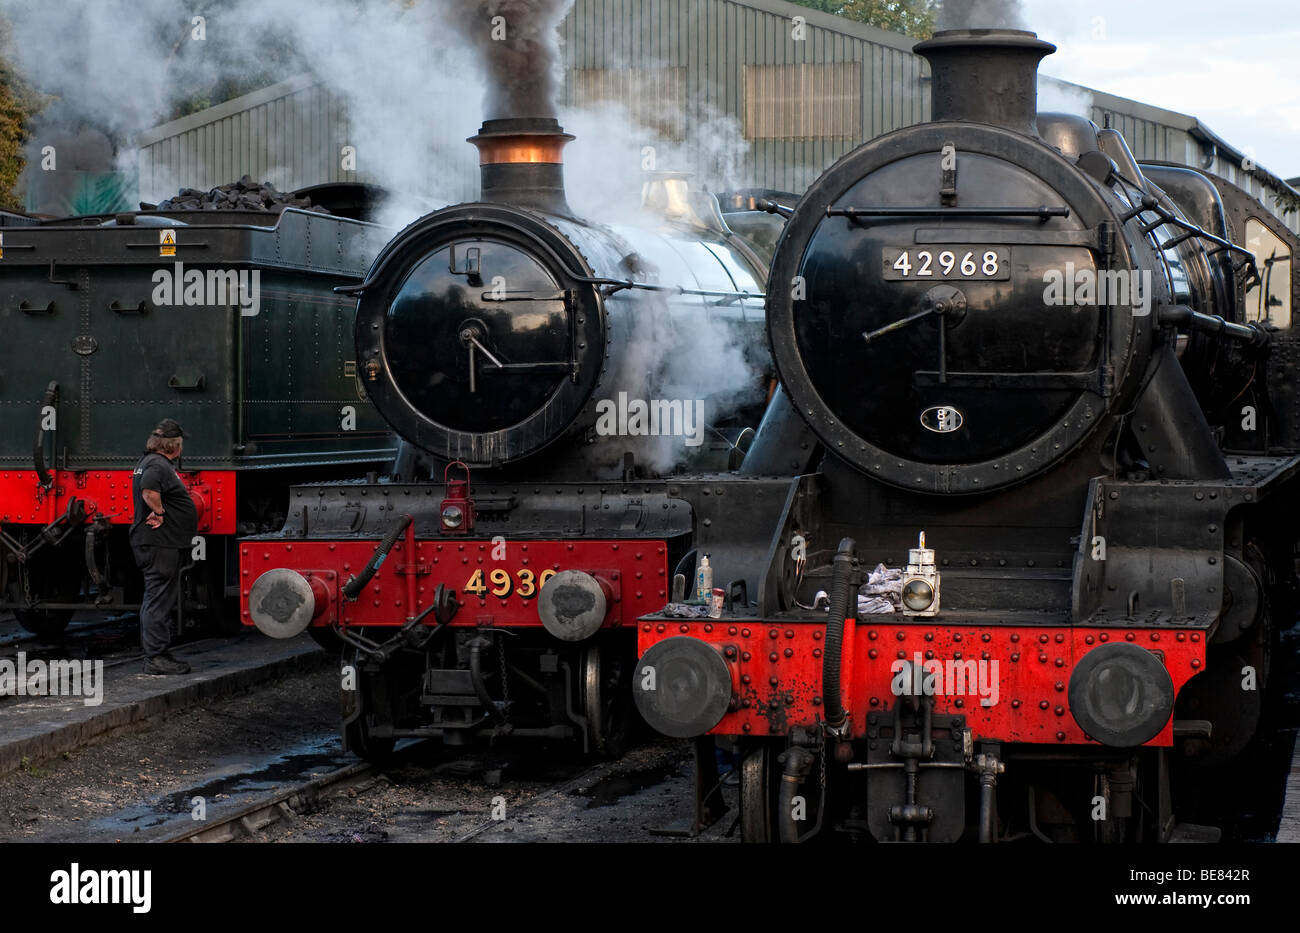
(164, 528)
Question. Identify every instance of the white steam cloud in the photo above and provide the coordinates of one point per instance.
(980, 14)
(411, 90)
(408, 88)
(1056, 96)
(686, 353)
(615, 153)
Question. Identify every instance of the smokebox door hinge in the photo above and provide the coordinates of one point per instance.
(1106, 238)
(948, 174)
(1107, 380)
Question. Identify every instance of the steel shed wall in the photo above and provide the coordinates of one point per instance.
(289, 134)
(292, 133)
(716, 40)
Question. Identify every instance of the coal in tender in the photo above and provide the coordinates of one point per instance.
(242, 195)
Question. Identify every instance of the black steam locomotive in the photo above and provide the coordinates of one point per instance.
(1061, 385)
(575, 387)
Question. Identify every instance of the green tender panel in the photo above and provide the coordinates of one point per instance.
(166, 361)
(38, 321)
(259, 387)
(300, 382)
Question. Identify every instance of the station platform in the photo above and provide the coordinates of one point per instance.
(37, 728)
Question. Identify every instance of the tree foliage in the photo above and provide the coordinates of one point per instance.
(18, 103)
(13, 132)
(910, 17)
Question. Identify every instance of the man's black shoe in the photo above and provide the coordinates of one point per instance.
(165, 664)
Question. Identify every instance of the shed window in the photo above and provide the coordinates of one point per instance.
(803, 101)
(654, 98)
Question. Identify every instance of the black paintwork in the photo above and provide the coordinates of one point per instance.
(1130, 497)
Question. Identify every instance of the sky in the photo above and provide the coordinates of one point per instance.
(1233, 66)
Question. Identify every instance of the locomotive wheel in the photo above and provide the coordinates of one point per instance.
(44, 623)
(363, 745)
(606, 701)
(371, 695)
(760, 782)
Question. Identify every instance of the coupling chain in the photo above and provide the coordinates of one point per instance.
(505, 680)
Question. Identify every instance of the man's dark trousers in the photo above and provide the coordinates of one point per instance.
(162, 580)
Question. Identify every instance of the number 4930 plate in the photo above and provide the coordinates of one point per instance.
(945, 263)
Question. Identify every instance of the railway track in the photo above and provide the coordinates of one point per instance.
(586, 777)
(285, 805)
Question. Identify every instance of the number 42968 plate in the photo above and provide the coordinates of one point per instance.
(945, 263)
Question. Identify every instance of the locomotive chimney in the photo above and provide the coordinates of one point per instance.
(985, 76)
(521, 163)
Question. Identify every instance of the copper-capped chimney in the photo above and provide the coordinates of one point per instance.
(521, 162)
(985, 76)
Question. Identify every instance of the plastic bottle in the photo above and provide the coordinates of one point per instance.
(704, 581)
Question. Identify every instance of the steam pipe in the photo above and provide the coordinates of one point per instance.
(842, 590)
(772, 207)
(1252, 334)
(352, 589)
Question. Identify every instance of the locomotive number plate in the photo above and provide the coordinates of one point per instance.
(945, 264)
(500, 582)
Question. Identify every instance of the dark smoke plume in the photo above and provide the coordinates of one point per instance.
(519, 52)
(980, 14)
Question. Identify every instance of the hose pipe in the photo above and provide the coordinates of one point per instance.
(352, 589)
(988, 803)
(844, 574)
(798, 765)
(989, 768)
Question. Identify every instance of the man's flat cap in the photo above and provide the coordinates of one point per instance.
(169, 428)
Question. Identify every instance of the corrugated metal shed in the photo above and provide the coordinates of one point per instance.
(1161, 135)
(803, 94)
(288, 133)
